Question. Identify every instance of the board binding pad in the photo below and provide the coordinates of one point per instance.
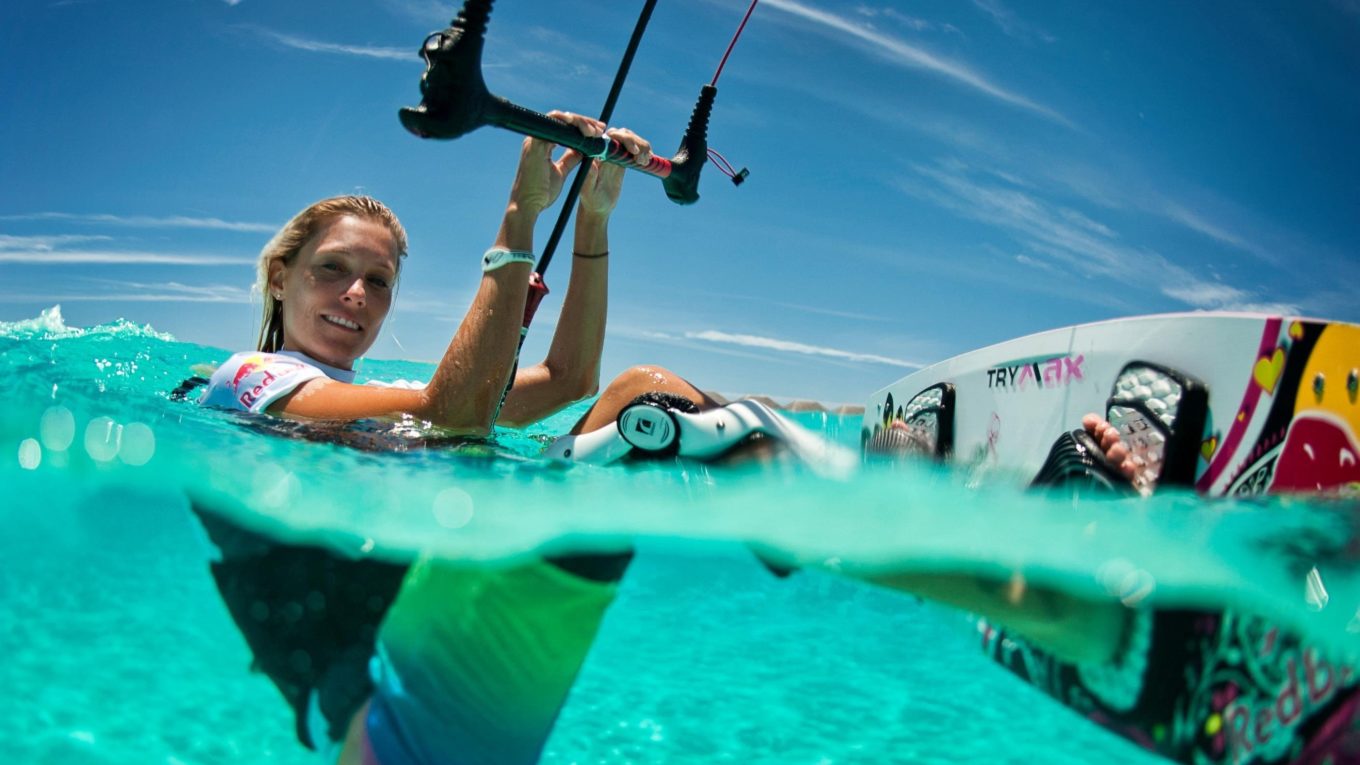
(1231, 404)
(648, 428)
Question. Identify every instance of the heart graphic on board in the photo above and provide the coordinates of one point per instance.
(1296, 330)
(1208, 447)
(1267, 370)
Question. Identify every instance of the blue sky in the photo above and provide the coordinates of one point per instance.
(928, 177)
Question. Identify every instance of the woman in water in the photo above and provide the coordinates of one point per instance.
(328, 279)
(470, 664)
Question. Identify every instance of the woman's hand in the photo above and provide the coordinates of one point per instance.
(539, 178)
(601, 190)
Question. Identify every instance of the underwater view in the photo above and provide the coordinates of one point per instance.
(122, 651)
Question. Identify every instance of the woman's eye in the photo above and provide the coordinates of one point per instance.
(378, 281)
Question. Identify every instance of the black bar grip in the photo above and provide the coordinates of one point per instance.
(682, 185)
(455, 101)
(516, 118)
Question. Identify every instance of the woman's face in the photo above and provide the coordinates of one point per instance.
(338, 290)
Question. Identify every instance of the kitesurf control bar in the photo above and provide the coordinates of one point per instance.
(455, 101)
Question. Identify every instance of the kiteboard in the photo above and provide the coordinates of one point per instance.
(1232, 404)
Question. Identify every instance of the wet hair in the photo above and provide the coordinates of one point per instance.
(295, 234)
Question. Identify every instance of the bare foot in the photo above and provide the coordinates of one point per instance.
(1107, 436)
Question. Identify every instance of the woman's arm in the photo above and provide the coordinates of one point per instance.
(1069, 627)
(571, 370)
(467, 384)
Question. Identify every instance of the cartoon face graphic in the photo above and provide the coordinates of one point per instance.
(1321, 451)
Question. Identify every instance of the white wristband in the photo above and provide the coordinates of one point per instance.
(499, 256)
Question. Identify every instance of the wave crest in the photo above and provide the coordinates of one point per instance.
(50, 325)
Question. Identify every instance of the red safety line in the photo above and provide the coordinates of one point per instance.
(733, 44)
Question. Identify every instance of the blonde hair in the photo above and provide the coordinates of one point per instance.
(294, 236)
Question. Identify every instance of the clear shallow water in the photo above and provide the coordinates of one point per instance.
(118, 649)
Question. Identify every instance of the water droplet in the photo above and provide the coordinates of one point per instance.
(453, 508)
(275, 486)
(1136, 586)
(103, 438)
(57, 428)
(139, 444)
(30, 454)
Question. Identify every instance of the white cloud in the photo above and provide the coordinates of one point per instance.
(1204, 294)
(911, 22)
(1061, 232)
(46, 243)
(1216, 296)
(1042, 265)
(651, 337)
(1076, 243)
(423, 11)
(906, 54)
(787, 346)
(1012, 24)
(854, 315)
(148, 221)
(1196, 222)
(111, 257)
(136, 292)
(406, 53)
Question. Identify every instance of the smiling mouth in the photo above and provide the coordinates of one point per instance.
(339, 322)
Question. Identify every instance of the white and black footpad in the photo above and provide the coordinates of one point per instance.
(1160, 414)
(660, 425)
(925, 425)
(650, 428)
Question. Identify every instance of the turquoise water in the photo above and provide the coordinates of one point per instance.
(118, 649)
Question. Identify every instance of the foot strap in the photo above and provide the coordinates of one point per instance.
(649, 428)
(1076, 461)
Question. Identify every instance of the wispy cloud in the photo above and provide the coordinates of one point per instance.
(148, 221)
(450, 308)
(1221, 297)
(787, 346)
(1011, 24)
(1040, 264)
(1066, 233)
(651, 338)
(910, 22)
(1126, 187)
(1218, 232)
(423, 11)
(903, 53)
(117, 258)
(47, 243)
(406, 53)
(854, 315)
(1073, 241)
(138, 292)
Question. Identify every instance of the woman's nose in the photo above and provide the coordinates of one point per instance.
(355, 293)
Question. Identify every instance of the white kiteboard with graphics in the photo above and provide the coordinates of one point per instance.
(1231, 404)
